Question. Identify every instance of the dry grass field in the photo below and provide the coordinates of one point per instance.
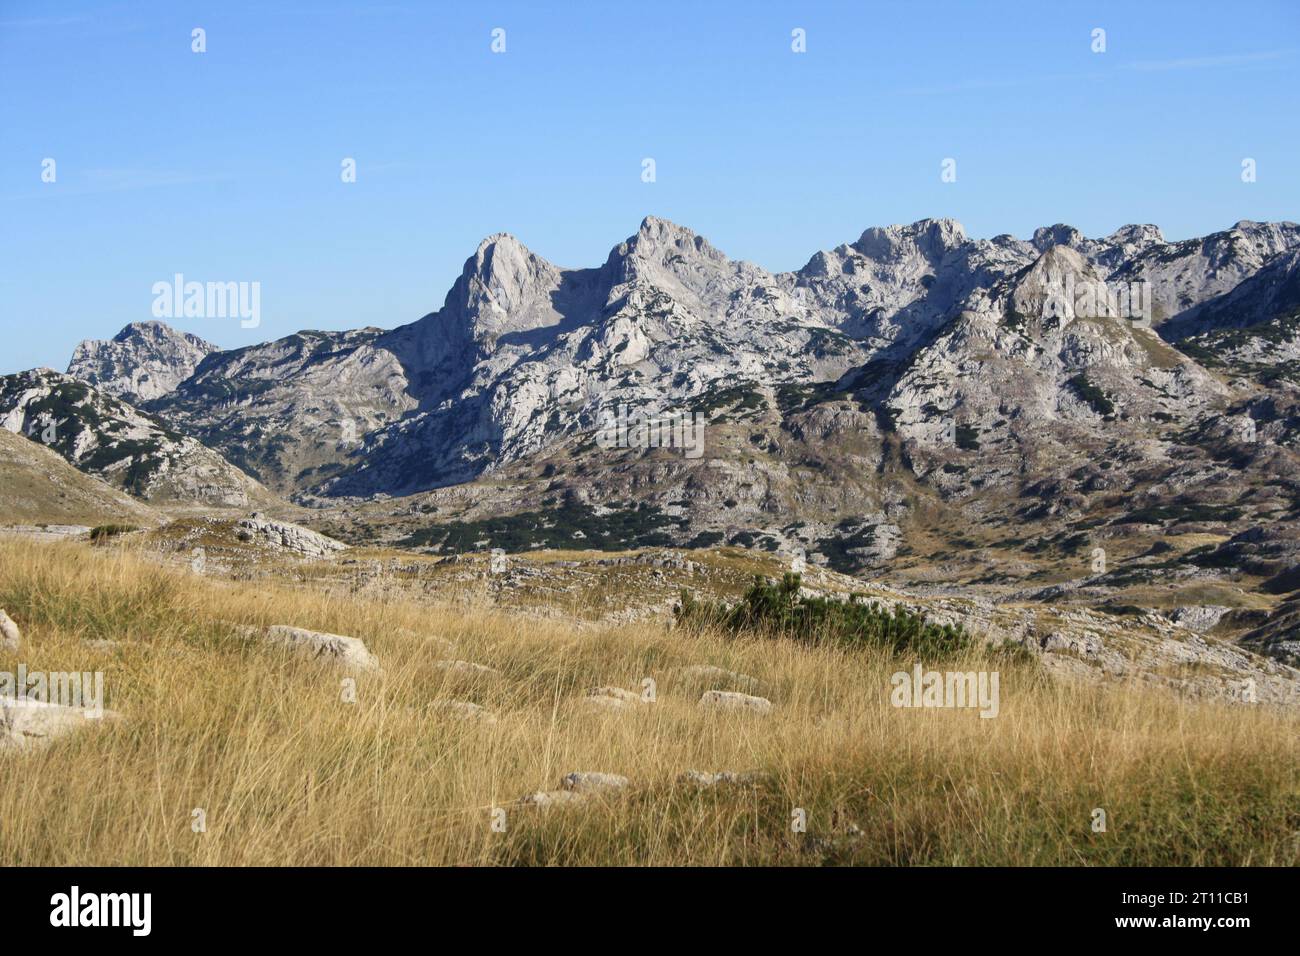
(289, 772)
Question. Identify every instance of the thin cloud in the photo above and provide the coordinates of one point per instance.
(94, 182)
(1005, 83)
(1207, 62)
(43, 22)
(115, 179)
(976, 85)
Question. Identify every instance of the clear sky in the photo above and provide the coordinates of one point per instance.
(226, 165)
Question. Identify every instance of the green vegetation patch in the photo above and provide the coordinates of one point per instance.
(572, 526)
(1091, 394)
(1180, 511)
(778, 610)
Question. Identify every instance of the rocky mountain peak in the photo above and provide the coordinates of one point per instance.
(144, 361)
(666, 256)
(504, 287)
(154, 331)
(1045, 237)
(931, 238)
(504, 265)
(659, 241)
(1136, 235)
(1061, 258)
(1047, 285)
(524, 353)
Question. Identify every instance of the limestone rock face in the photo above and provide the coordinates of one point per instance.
(1199, 618)
(146, 360)
(290, 537)
(524, 353)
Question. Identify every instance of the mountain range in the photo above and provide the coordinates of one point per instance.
(915, 401)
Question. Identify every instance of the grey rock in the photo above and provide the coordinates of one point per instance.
(706, 779)
(348, 652)
(590, 781)
(285, 536)
(1199, 618)
(1087, 645)
(11, 639)
(28, 723)
(732, 700)
(144, 361)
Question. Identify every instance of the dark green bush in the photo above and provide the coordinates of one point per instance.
(110, 530)
(777, 610)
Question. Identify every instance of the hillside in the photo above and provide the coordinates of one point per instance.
(131, 450)
(41, 488)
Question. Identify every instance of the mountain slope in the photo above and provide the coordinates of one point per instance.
(110, 439)
(40, 487)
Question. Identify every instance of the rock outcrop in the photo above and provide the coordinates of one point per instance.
(145, 361)
(349, 653)
(11, 639)
(31, 723)
(285, 536)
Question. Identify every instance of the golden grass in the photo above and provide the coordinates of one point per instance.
(288, 773)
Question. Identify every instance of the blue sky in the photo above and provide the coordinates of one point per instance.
(225, 165)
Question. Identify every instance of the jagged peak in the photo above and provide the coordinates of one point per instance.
(657, 240)
(1132, 233)
(501, 266)
(151, 332)
(1046, 284)
(655, 233)
(502, 240)
(657, 225)
(500, 251)
(1063, 257)
(1060, 234)
(931, 236)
